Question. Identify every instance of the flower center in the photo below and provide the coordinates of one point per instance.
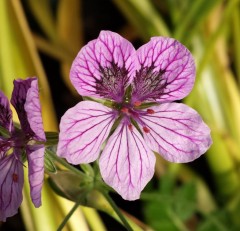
(131, 112)
(19, 139)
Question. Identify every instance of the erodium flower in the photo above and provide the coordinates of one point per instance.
(25, 99)
(159, 72)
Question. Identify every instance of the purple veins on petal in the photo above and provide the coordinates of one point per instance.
(25, 99)
(35, 156)
(33, 111)
(166, 71)
(149, 83)
(104, 67)
(177, 132)
(112, 83)
(11, 184)
(83, 129)
(126, 163)
(5, 112)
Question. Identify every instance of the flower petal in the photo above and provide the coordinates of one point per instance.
(11, 184)
(166, 73)
(83, 129)
(104, 67)
(5, 112)
(126, 163)
(25, 99)
(35, 156)
(177, 132)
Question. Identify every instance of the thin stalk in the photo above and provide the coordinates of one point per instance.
(68, 216)
(116, 209)
(93, 219)
(52, 138)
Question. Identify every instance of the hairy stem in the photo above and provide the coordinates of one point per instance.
(116, 209)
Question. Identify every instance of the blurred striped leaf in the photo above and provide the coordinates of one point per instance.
(19, 57)
(192, 17)
(236, 39)
(43, 14)
(69, 29)
(143, 17)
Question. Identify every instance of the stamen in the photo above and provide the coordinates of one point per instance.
(150, 111)
(15, 177)
(130, 127)
(146, 130)
(137, 103)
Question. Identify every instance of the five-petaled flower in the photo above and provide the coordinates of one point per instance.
(159, 72)
(25, 99)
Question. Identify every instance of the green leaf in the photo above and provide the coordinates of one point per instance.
(185, 201)
(170, 207)
(167, 183)
(218, 221)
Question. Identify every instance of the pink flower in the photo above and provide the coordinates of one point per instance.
(159, 72)
(25, 99)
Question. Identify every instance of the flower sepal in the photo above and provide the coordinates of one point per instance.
(49, 165)
(83, 190)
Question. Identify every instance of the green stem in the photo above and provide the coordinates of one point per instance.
(116, 209)
(68, 216)
(52, 138)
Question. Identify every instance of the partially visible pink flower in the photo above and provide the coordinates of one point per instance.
(159, 72)
(25, 99)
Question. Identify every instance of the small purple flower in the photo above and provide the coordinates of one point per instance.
(159, 72)
(25, 99)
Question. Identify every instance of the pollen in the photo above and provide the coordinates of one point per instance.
(150, 111)
(130, 127)
(15, 177)
(146, 130)
(137, 103)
